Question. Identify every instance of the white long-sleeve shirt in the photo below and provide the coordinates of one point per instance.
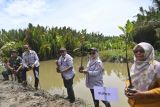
(66, 62)
(30, 58)
(94, 77)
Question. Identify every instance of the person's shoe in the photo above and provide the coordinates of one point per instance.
(67, 98)
(36, 88)
(72, 101)
(108, 104)
(24, 83)
(5, 79)
(19, 81)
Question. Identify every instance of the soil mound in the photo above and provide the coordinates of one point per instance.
(13, 94)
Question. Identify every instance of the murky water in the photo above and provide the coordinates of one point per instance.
(114, 77)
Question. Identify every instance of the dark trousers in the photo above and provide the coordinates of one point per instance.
(96, 102)
(36, 75)
(68, 85)
(19, 76)
(6, 74)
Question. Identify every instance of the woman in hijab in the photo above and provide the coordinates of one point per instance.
(145, 75)
(94, 74)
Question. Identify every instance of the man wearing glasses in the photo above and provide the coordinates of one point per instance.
(65, 67)
(30, 61)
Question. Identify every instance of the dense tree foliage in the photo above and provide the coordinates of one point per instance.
(147, 25)
(47, 41)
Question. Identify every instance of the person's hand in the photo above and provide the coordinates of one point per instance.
(57, 69)
(83, 71)
(136, 94)
(81, 68)
(12, 69)
(32, 66)
(56, 62)
(14, 72)
(28, 68)
(129, 91)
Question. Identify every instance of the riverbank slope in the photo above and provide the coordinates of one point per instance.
(13, 94)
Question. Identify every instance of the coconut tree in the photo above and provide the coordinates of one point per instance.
(157, 4)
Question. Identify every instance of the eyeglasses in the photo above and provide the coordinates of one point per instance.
(25, 48)
(139, 50)
(92, 53)
(61, 51)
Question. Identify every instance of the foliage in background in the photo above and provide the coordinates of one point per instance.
(147, 25)
(47, 41)
(116, 55)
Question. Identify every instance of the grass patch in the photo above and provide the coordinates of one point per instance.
(115, 55)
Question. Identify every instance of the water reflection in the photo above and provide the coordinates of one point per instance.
(119, 69)
(114, 77)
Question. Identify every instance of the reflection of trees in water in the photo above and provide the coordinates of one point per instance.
(120, 74)
(119, 69)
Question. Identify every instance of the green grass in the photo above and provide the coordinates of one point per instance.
(112, 55)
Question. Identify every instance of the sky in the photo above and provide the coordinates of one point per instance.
(99, 16)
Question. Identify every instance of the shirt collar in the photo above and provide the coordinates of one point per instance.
(28, 52)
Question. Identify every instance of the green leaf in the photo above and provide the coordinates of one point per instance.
(121, 28)
(129, 26)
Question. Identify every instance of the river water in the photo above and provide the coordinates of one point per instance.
(50, 80)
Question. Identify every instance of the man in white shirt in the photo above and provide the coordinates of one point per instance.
(30, 61)
(65, 67)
